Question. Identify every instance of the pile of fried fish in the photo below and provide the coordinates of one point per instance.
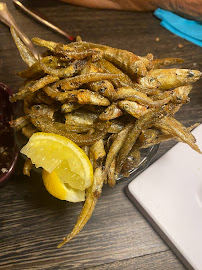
(110, 102)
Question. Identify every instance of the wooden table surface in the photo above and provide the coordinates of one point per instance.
(117, 236)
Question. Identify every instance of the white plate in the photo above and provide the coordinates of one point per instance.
(169, 194)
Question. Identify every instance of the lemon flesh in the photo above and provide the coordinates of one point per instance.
(56, 153)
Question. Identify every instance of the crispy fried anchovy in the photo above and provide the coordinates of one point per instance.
(150, 91)
(68, 96)
(123, 79)
(133, 108)
(81, 117)
(144, 122)
(68, 54)
(24, 51)
(43, 110)
(67, 71)
(89, 97)
(77, 81)
(82, 96)
(170, 78)
(181, 94)
(44, 98)
(91, 199)
(172, 126)
(97, 153)
(162, 95)
(19, 123)
(177, 95)
(115, 127)
(69, 107)
(116, 146)
(125, 60)
(36, 70)
(51, 45)
(42, 83)
(98, 150)
(34, 87)
(91, 68)
(104, 87)
(165, 137)
(27, 167)
(129, 93)
(111, 174)
(159, 63)
(111, 112)
(78, 129)
(45, 124)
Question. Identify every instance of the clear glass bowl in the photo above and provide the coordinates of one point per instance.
(147, 155)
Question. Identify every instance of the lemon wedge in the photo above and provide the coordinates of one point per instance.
(67, 168)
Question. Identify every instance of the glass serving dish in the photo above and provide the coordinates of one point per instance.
(147, 154)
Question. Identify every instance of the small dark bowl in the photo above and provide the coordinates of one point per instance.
(8, 147)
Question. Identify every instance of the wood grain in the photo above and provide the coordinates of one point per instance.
(161, 260)
(32, 222)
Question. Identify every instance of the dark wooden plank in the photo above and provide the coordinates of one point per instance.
(165, 260)
(32, 222)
